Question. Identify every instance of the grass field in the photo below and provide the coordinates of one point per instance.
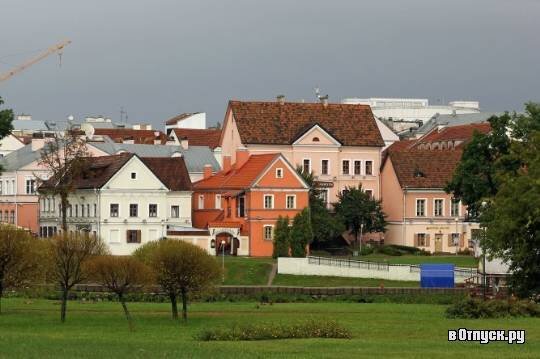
(320, 281)
(30, 329)
(246, 271)
(459, 261)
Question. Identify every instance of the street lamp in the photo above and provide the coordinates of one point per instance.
(456, 240)
(223, 260)
(484, 233)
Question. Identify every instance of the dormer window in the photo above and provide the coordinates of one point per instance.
(315, 139)
(418, 173)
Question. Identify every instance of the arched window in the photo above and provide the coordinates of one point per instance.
(315, 139)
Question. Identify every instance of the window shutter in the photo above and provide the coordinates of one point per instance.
(127, 236)
(139, 236)
(450, 242)
(416, 240)
(427, 240)
(461, 240)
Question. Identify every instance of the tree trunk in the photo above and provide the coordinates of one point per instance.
(64, 201)
(174, 306)
(63, 307)
(184, 304)
(126, 312)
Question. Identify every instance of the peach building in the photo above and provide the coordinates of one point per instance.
(341, 144)
(240, 205)
(413, 176)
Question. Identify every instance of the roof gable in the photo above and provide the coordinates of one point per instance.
(199, 137)
(316, 136)
(274, 123)
(290, 178)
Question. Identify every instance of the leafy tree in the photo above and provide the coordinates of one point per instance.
(6, 119)
(65, 156)
(180, 268)
(301, 233)
(68, 253)
(360, 211)
(121, 275)
(325, 225)
(282, 237)
(21, 259)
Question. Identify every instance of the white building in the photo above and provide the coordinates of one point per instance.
(10, 143)
(407, 112)
(125, 200)
(195, 120)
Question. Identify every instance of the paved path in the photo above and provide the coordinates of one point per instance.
(272, 275)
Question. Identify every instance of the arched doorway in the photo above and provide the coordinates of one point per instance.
(226, 244)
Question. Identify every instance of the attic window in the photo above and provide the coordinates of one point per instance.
(418, 173)
(316, 139)
(133, 175)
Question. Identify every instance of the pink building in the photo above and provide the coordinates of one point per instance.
(413, 176)
(340, 143)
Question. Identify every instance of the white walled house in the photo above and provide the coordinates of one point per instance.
(9, 144)
(124, 199)
(196, 120)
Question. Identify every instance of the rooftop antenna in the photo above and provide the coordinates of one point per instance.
(318, 94)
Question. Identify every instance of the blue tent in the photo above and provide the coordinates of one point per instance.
(437, 275)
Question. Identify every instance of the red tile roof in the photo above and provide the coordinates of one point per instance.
(238, 178)
(455, 133)
(138, 136)
(282, 124)
(172, 171)
(199, 137)
(175, 119)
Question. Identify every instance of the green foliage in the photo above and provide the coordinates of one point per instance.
(282, 237)
(6, 119)
(310, 329)
(474, 308)
(389, 251)
(301, 233)
(359, 210)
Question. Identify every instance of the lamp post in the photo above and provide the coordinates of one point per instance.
(458, 235)
(484, 233)
(223, 260)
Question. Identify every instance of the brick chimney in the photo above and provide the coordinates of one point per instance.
(280, 99)
(184, 143)
(242, 155)
(226, 163)
(207, 172)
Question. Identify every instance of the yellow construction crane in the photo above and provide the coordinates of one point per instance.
(55, 48)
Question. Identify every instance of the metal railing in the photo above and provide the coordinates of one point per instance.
(349, 263)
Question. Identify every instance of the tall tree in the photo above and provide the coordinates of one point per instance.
(181, 269)
(301, 233)
(65, 157)
(360, 211)
(121, 275)
(21, 258)
(282, 237)
(6, 119)
(68, 253)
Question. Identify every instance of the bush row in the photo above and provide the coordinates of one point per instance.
(310, 329)
(474, 308)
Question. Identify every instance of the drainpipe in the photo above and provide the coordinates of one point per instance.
(16, 221)
(404, 213)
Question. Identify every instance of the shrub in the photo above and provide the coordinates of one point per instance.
(366, 250)
(405, 249)
(389, 250)
(474, 308)
(465, 252)
(310, 329)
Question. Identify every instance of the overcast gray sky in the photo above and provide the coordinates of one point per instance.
(163, 57)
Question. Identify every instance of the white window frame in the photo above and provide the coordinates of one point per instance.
(218, 201)
(416, 206)
(434, 208)
(306, 159)
(425, 237)
(110, 210)
(33, 188)
(370, 192)
(157, 210)
(272, 232)
(178, 212)
(349, 167)
(264, 201)
(354, 168)
(200, 202)
(136, 209)
(372, 168)
(279, 172)
(458, 235)
(293, 196)
(328, 167)
(458, 209)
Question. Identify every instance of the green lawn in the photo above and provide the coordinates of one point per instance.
(459, 261)
(30, 329)
(246, 270)
(321, 281)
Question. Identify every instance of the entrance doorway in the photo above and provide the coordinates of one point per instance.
(438, 242)
(226, 244)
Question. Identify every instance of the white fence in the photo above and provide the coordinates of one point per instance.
(323, 266)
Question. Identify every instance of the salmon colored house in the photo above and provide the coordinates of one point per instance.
(413, 177)
(240, 205)
(339, 143)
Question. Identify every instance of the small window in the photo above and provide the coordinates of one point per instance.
(218, 201)
(421, 241)
(87, 209)
(268, 201)
(12, 217)
(438, 207)
(268, 233)
(420, 207)
(201, 201)
(133, 236)
(291, 201)
(369, 192)
(133, 210)
(241, 206)
(324, 167)
(279, 172)
(453, 240)
(95, 210)
(175, 211)
(454, 209)
(345, 167)
(82, 210)
(315, 139)
(152, 210)
(30, 186)
(133, 175)
(114, 210)
(369, 168)
(76, 209)
(306, 165)
(357, 167)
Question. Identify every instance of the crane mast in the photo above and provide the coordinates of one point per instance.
(51, 50)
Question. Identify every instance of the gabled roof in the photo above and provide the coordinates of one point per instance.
(172, 172)
(175, 119)
(455, 120)
(455, 133)
(138, 136)
(199, 137)
(19, 158)
(274, 123)
(316, 126)
(238, 178)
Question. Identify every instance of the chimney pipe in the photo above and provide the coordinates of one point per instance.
(242, 155)
(281, 99)
(324, 100)
(207, 172)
